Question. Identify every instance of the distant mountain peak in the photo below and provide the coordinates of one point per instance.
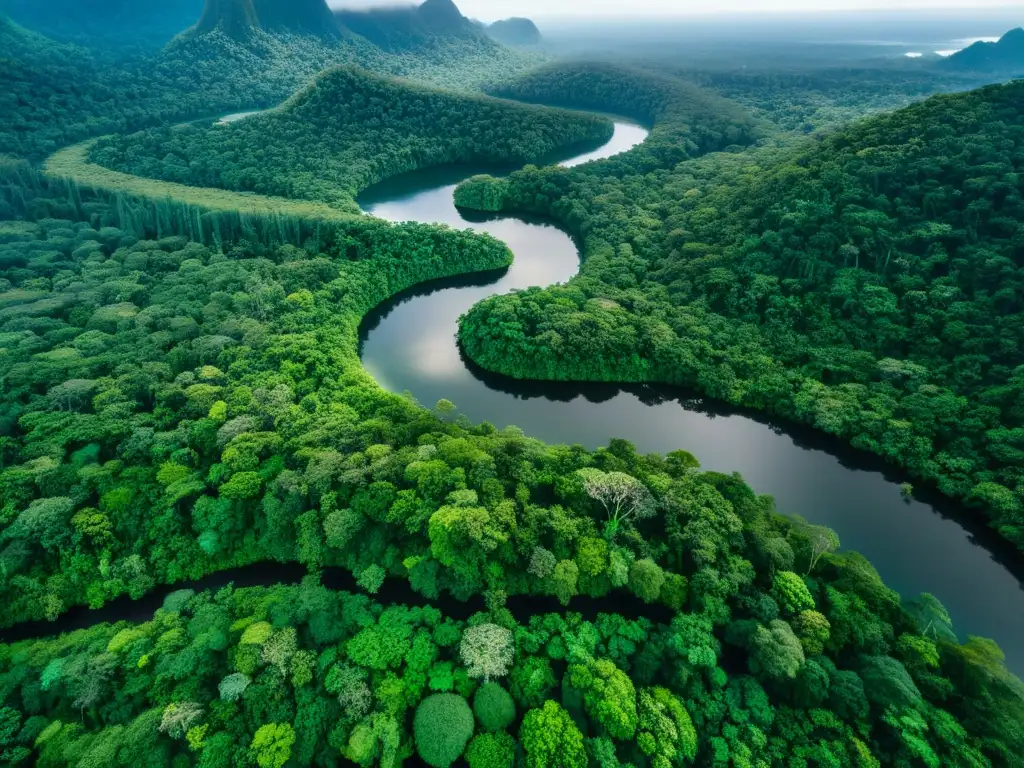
(1006, 55)
(1014, 37)
(235, 18)
(441, 13)
(515, 31)
(301, 17)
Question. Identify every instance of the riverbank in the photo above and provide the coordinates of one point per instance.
(917, 545)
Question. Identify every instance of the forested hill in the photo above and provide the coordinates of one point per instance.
(406, 28)
(53, 94)
(182, 395)
(240, 19)
(106, 22)
(236, 19)
(303, 17)
(515, 31)
(346, 131)
(1007, 54)
(687, 120)
(127, 22)
(868, 283)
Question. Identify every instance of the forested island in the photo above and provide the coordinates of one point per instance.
(180, 307)
(344, 132)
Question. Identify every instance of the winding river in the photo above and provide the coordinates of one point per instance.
(409, 344)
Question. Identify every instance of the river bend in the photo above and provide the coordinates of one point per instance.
(409, 344)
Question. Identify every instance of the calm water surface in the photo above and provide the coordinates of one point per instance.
(409, 344)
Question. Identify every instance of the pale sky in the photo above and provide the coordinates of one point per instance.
(489, 10)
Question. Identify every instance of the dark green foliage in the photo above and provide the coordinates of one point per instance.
(865, 284)
(343, 133)
(441, 15)
(221, 458)
(687, 121)
(53, 94)
(646, 579)
(532, 680)
(442, 727)
(491, 750)
(127, 23)
(183, 395)
(494, 708)
(301, 17)
(234, 18)
(888, 684)
(802, 101)
(482, 193)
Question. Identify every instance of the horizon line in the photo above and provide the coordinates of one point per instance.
(678, 14)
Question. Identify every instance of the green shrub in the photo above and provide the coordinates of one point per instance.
(494, 708)
(491, 750)
(442, 726)
(482, 193)
(791, 593)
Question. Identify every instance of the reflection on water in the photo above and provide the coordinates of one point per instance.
(409, 344)
(626, 137)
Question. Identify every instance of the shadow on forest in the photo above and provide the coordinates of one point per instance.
(393, 592)
(804, 437)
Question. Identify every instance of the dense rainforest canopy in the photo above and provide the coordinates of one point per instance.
(344, 132)
(686, 120)
(53, 94)
(864, 282)
(176, 409)
(182, 395)
(104, 23)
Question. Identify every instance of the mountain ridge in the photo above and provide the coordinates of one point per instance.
(303, 17)
(408, 27)
(111, 22)
(346, 130)
(235, 18)
(440, 13)
(515, 31)
(1005, 54)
